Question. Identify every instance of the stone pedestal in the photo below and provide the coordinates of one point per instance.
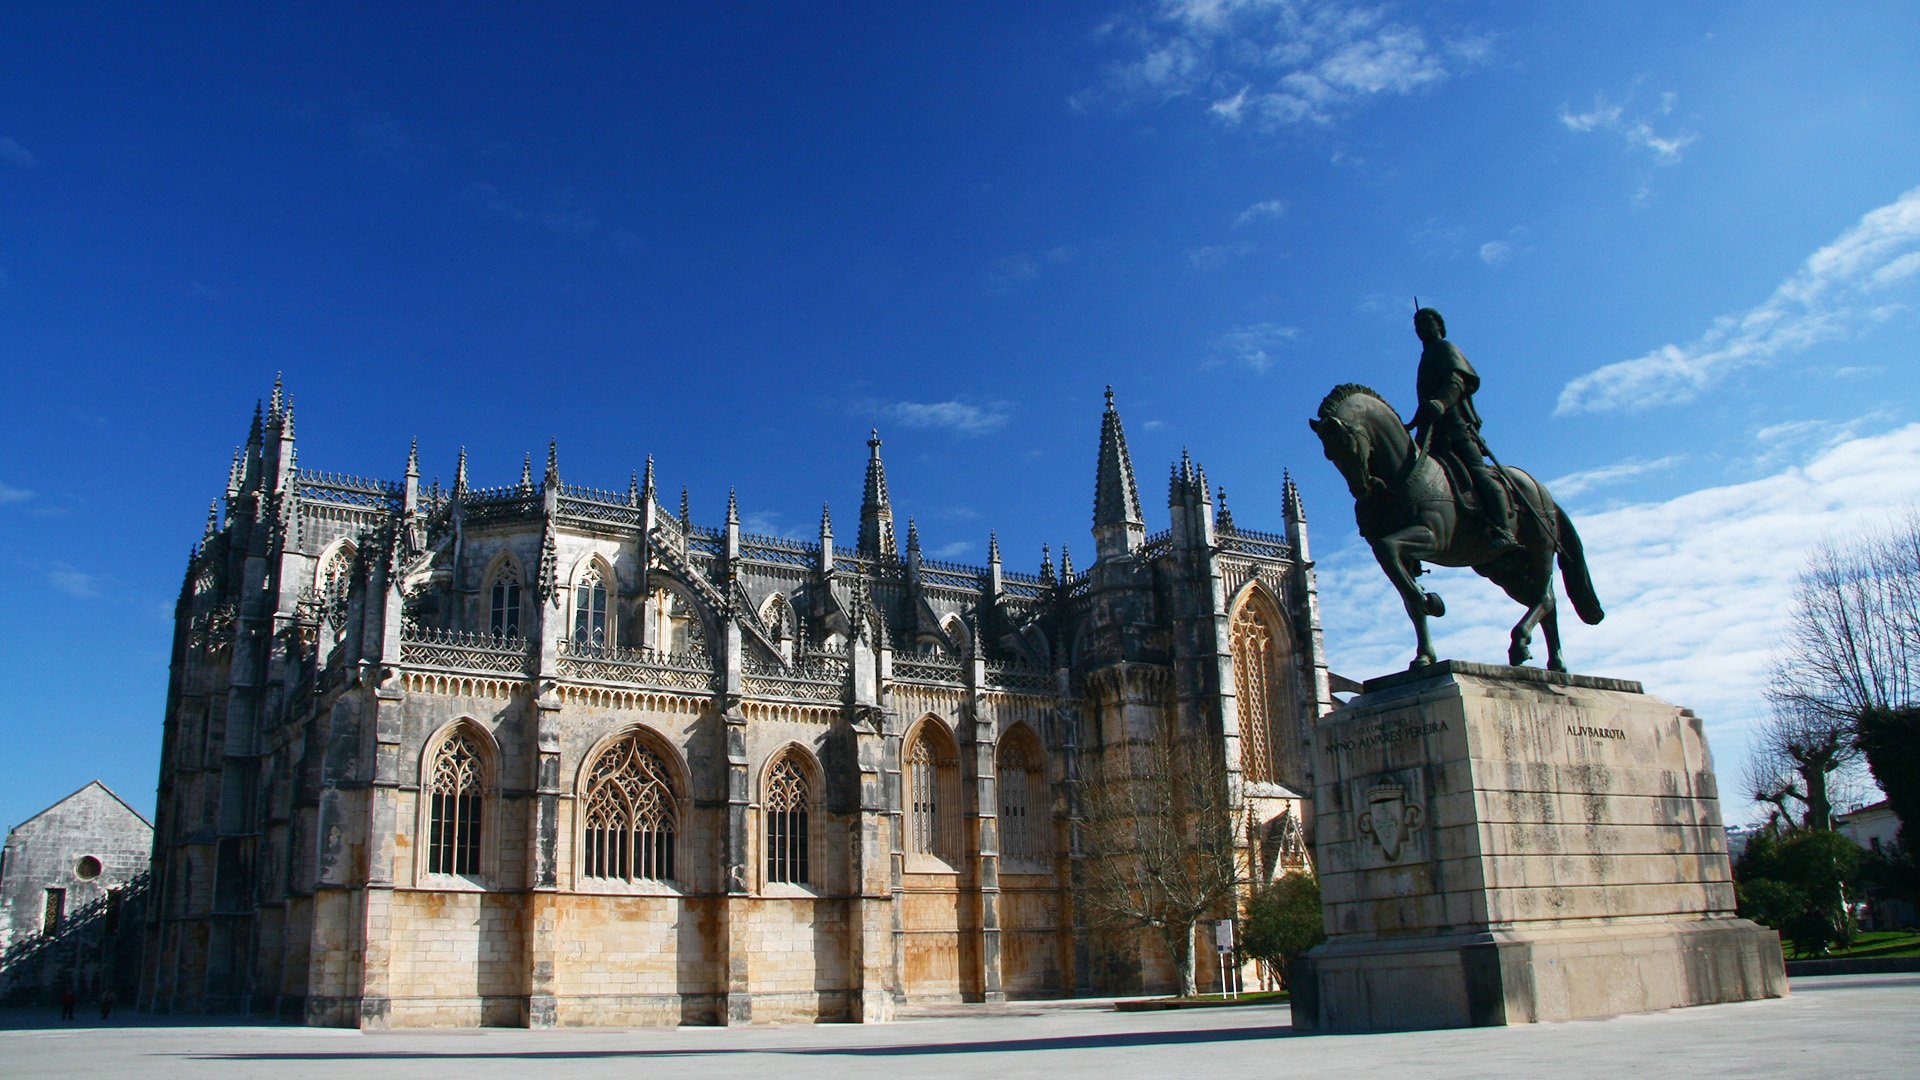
(1503, 845)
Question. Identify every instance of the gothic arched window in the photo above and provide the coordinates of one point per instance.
(1023, 801)
(789, 805)
(503, 620)
(454, 788)
(335, 577)
(631, 815)
(1263, 688)
(931, 825)
(590, 608)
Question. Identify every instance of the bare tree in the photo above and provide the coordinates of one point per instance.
(1853, 646)
(1853, 642)
(1799, 751)
(1158, 830)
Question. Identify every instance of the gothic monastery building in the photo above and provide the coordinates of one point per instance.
(539, 754)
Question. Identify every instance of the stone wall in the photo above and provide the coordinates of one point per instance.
(86, 857)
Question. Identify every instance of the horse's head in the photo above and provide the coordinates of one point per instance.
(1350, 451)
(1361, 435)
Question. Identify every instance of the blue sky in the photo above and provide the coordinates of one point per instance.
(1681, 242)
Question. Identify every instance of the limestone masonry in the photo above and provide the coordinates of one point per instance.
(1505, 845)
(538, 754)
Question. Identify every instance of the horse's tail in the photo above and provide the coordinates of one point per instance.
(1573, 569)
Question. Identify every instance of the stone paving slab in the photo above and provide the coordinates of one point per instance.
(1836, 1026)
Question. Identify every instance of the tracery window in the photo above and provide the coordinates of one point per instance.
(1023, 825)
(631, 815)
(504, 611)
(590, 608)
(453, 817)
(335, 577)
(930, 796)
(1263, 681)
(923, 781)
(675, 629)
(789, 804)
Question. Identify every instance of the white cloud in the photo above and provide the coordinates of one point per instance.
(1265, 210)
(1834, 295)
(1214, 256)
(1496, 252)
(1579, 483)
(1275, 63)
(951, 551)
(955, 416)
(1697, 588)
(1017, 270)
(1637, 130)
(11, 494)
(72, 580)
(1255, 345)
(13, 153)
(564, 213)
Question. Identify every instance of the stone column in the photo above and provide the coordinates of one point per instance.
(982, 742)
(543, 863)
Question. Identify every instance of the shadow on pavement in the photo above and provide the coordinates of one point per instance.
(995, 1046)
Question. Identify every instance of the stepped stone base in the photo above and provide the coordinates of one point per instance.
(1507, 845)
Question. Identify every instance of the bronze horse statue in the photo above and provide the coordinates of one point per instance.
(1408, 508)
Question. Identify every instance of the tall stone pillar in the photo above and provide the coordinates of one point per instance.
(543, 870)
(981, 744)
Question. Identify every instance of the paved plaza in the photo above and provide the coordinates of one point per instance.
(1837, 1026)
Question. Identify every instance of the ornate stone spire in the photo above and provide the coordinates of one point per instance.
(277, 403)
(993, 546)
(733, 508)
(646, 485)
(913, 536)
(460, 474)
(552, 477)
(413, 458)
(633, 489)
(213, 523)
(826, 522)
(526, 475)
(1224, 520)
(686, 514)
(1066, 564)
(1119, 528)
(876, 512)
(1046, 563)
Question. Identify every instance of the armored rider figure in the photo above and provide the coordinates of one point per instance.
(1447, 423)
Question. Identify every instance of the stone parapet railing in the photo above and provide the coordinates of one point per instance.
(460, 651)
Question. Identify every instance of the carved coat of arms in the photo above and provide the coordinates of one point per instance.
(1390, 820)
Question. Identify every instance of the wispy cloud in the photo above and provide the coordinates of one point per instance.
(1014, 271)
(11, 494)
(1215, 256)
(1579, 483)
(958, 417)
(1265, 210)
(565, 213)
(384, 138)
(1272, 64)
(1637, 128)
(1696, 587)
(72, 580)
(1256, 346)
(1841, 289)
(951, 551)
(13, 153)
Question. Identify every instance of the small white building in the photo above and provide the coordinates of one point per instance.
(1874, 826)
(72, 878)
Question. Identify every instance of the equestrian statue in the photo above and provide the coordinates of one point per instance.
(1432, 497)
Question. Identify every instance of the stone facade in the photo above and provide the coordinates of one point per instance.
(73, 880)
(1506, 845)
(538, 754)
